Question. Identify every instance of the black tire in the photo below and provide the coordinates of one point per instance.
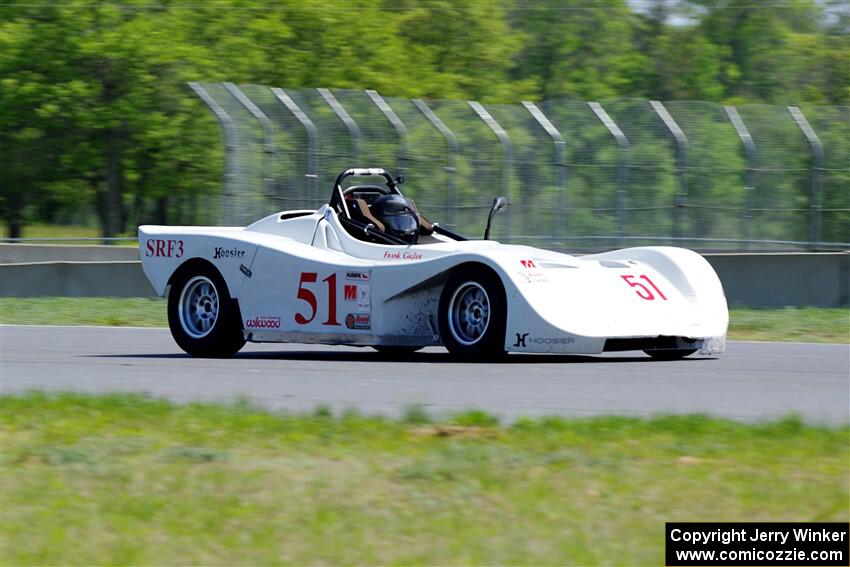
(473, 312)
(670, 353)
(204, 319)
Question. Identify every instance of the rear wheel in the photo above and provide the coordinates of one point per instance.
(473, 311)
(204, 320)
(670, 353)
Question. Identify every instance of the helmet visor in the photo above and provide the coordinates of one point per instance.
(405, 223)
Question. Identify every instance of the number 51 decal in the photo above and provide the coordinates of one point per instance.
(309, 297)
(641, 290)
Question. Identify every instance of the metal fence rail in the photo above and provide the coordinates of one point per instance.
(579, 176)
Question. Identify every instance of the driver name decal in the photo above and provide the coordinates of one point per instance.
(406, 255)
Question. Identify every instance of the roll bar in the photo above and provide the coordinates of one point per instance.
(338, 199)
(338, 203)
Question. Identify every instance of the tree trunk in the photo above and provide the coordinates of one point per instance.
(162, 210)
(14, 215)
(112, 202)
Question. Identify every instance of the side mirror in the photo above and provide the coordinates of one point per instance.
(499, 204)
(399, 180)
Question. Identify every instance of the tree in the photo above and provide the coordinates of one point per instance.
(578, 49)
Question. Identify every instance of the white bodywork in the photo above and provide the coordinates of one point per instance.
(306, 279)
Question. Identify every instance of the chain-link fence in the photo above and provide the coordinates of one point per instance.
(580, 176)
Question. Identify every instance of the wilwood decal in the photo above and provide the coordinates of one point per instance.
(263, 323)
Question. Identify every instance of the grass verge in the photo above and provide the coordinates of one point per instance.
(789, 324)
(124, 479)
(806, 324)
(61, 231)
(108, 311)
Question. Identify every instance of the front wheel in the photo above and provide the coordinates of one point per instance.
(204, 320)
(473, 312)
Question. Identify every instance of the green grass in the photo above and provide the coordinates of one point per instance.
(790, 324)
(124, 479)
(39, 230)
(108, 311)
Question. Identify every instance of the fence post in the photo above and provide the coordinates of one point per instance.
(507, 157)
(622, 168)
(312, 174)
(681, 201)
(749, 186)
(349, 122)
(817, 169)
(397, 124)
(451, 159)
(560, 163)
(268, 136)
(229, 214)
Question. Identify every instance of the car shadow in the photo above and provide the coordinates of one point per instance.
(417, 357)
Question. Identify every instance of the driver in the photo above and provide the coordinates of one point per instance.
(398, 216)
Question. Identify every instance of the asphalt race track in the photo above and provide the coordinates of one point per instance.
(750, 381)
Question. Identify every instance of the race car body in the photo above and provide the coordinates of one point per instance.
(338, 275)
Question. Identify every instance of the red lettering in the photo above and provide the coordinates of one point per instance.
(164, 248)
(658, 291)
(641, 290)
(331, 280)
(308, 296)
(350, 292)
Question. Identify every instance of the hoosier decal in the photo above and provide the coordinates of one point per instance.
(222, 252)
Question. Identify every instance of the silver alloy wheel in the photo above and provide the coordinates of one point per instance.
(198, 307)
(469, 313)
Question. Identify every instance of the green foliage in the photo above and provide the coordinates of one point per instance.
(97, 124)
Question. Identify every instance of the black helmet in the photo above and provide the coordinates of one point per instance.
(398, 217)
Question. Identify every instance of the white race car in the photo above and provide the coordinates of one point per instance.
(367, 269)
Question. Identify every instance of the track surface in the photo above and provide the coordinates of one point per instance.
(750, 381)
